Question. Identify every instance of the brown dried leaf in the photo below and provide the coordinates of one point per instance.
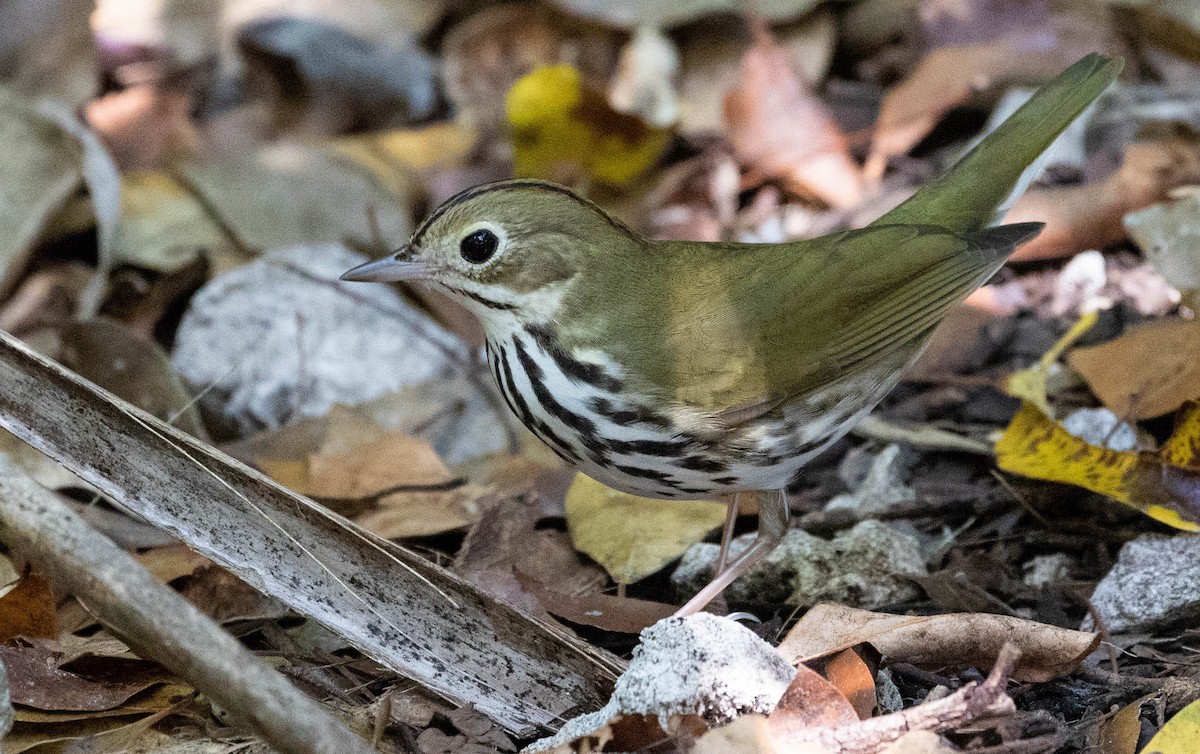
(1149, 371)
(36, 681)
(1038, 41)
(609, 612)
(957, 639)
(781, 129)
(1090, 216)
(810, 703)
(131, 366)
(28, 609)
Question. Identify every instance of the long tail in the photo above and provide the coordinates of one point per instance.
(967, 196)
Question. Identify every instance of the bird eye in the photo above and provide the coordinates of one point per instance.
(479, 247)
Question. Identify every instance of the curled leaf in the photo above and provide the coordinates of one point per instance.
(1163, 485)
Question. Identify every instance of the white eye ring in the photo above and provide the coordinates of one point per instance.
(481, 243)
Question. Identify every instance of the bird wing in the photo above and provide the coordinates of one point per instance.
(794, 319)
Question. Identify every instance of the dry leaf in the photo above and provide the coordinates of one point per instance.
(1036, 41)
(1169, 235)
(781, 129)
(1149, 371)
(851, 676)
(36, 681)
(1119, 733)
(28, 609)
(711, 55)
(405, 488)
(606, 611)
(565, 131)
(1163, 485)
(810, 703)
(42, 168)
(956, 639)
(131, 366)
(1179, 735)
(1085, 217)
(633, 537)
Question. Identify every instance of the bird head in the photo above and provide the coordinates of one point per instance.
(506, 248)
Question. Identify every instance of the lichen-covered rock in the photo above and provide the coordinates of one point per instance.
(280, 339)
(702, 665)
(1152, 585)
(868, 566)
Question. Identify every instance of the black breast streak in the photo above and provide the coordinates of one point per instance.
(508, 386)
(636, 415)
(579, 371)
(584, 426)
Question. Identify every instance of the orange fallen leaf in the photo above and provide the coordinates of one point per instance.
(1147, 372)
(955, 639)
(28, 609)
(851, 676)
(781, 129)
(810, 703)
(605, 611)
(1163, 485)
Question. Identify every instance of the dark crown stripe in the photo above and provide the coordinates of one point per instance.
(486, 188)
(592, 374)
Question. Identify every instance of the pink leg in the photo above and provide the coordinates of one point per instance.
(772, 525)
(731, 514)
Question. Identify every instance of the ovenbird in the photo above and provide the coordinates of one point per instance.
(675, 369)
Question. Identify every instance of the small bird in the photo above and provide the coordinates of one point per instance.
(677, 369)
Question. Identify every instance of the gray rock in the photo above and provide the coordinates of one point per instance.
(1047, 570)
(868, 566)
(280, 339)
(1099, 426)
(883, 485)
(1153, 584)
(702, 665)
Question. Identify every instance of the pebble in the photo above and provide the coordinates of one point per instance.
(1153, 584)
(701, 665)
(280, 339)
(868, 566)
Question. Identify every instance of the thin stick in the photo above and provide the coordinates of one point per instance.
(161, 625)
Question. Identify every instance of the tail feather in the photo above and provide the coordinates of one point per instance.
(967, 197)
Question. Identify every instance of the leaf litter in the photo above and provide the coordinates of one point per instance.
(325, 129)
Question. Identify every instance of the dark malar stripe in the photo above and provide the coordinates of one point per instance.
(485, 301)
(592, 374)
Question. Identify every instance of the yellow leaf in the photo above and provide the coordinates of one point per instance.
(632, 537)
(564, 131)
(1179, 735)
(1030, 384)
(1034, 445)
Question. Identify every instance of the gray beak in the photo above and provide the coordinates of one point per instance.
(387, 270)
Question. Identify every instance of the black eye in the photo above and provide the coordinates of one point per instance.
(479, 247)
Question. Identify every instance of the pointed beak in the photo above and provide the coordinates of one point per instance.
(388, 269)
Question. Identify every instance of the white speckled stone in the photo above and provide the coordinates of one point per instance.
(1153, 584)
(280, 339)
(702, 665)
(867, 566)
